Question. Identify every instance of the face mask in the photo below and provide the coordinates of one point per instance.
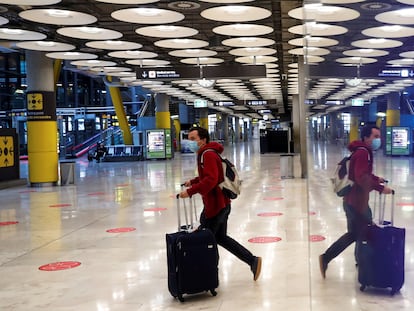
(376, 143)
(193, 146)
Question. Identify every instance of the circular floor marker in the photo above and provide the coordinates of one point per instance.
(60, 205)
(316, 238)
(265, 239)
(63, 265)
(405, 204)
(96, 193)
(270, 214)
(120, 230)
(8, 223)
(312, 213)
(273, 199)
(155, 209)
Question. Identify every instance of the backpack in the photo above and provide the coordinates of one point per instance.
(231, 185)
(340, 181)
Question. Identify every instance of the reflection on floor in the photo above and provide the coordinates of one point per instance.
(100, 244)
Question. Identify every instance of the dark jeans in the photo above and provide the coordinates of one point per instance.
(356, 224)
(218, 225)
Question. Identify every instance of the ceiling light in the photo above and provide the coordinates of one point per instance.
(45, 43)
(147, 11)
(353, 82)
(10, 31)
(235, 9)
(391, 28)
(406, 12)
(206, 83)
(58, 13)
(90, 29)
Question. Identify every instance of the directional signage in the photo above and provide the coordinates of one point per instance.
(397, 73)
(9, 155)
(41, 106)
(6, 151)
(207, 72)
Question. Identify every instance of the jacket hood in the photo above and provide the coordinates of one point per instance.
(356, 144)
(212, 145)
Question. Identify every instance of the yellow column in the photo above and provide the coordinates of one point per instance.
(120, 113)
(162, 116)
(353, 131)
(392, 117)
(204, 118)
(42, 134)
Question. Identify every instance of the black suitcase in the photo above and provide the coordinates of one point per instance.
(380, 253)
(192, 258)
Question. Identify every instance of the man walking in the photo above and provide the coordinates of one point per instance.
(355, 203)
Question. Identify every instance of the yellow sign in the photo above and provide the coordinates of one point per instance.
(35, 101)
(6, 151)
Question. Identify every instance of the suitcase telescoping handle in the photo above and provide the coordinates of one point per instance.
(189, 221)
(382, 206)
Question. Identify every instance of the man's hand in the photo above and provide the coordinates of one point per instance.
(187, 183)
(183, 194)
(387, 190)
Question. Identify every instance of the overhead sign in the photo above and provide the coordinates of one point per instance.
(224, 103)
(397, 73)
(207, 72)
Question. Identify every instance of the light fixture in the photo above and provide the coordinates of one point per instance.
(353, 82)
(206, 83)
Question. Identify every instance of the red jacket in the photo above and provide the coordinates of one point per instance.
(360, 171)
(210, 174)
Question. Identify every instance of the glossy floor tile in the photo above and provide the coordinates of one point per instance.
(111, 227)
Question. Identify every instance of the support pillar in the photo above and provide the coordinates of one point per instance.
(354, 127)
(301, 111)
(204, 118)
(393, 109)
(162, 114)
(42, 130)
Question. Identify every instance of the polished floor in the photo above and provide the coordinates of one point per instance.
(100, 244)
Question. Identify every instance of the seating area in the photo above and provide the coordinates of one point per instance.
(119, 153)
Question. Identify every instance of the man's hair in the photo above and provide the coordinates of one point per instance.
(367, 130)
(202, 133)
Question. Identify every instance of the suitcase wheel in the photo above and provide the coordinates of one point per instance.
(180, 298)
(362, 288)
(213, 292)
(393, 291)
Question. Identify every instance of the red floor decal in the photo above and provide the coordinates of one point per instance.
(265, 239)
(96, 193)
(63, 265)
(405, 204)
(8, 223)
(270, 214)
(273, 199)
(119, 230)
(155, 209)
(316, 238)
(60, 205)
(312, 213)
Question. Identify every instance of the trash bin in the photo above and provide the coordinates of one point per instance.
(67, 172)
(286, 166)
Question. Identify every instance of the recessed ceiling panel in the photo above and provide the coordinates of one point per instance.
(356, 60)
(110, 69)
(313, 41)
(128, 1)
(147, 16)
(402, 17)
(377, 43)
(57, 17)
(20, 34)
(135, 54)
(248, 42)
(250, 30)
(402, 62)
(71, 55)
(181, 43)
(317, 29)
(252, 51)
(166, 31)
(30, 2)
(202, 60)
(89, 33)
(314, 51)
(92, 63)
(47, 46)
(113, 45)
(147, 62)
(235, 13)
(407, 54)
(365, 53)
(256, 59)
(324, 13)
(190, 53)
(389, 31)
